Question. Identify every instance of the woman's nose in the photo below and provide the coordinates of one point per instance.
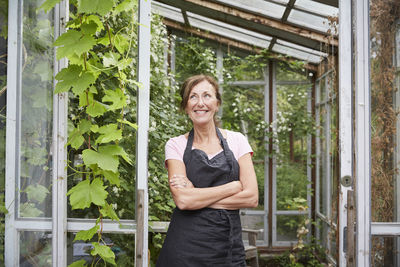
(200, 102)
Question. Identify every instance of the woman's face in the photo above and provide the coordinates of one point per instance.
(202, 103)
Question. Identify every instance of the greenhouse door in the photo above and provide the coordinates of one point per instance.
(345, 132)
(354, 135)
(40, 226)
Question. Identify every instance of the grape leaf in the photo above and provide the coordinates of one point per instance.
(116, 97)
(80, 263)
(108, 133)
(102, 7)
(115, 150)
(104, 160)
(96, 109)
(74, 77)
(75, 138)
(121, 42)
(108, 211)
(86, 235)
(104, 252)
(125, 6)
(96, 20)
(85, 193)
(73, 42)
(112, 177)
(84, 126)
(111, 59)
(89, 28)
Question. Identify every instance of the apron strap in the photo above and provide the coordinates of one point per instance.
(228, 153)
(187, 154)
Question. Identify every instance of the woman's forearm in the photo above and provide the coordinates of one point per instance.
(243, 199)
(196, 198)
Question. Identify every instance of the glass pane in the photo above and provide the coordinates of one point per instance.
(324, 232)
(317, 7)
(257, 6)
(322, 159)
(385, 103)
(309, 21)
(385, 251)
(240, 68)
(228, 30)
(241, 105)
(286, 227)
(254, 222)
(292, 127)
(122, 245)
(3, 84)
(167, 11)
(35, 249)
(334, 159)
(290, 51)
(193, 56)
(36, 112)
(302, 48)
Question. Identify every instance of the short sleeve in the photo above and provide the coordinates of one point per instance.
(239, 144)
(175, 148)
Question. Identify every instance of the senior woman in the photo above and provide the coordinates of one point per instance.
(211, 177)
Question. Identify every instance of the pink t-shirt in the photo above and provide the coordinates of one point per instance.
(237, 142)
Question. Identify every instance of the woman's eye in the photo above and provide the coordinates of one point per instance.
(192, 97)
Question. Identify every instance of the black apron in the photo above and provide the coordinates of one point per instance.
(205, 237)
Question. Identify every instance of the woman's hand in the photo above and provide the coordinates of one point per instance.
(180, 181)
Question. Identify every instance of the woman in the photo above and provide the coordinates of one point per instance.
(211, 176)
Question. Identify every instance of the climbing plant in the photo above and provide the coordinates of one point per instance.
(100, 79)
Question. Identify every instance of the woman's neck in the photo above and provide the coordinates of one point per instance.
(204, 134)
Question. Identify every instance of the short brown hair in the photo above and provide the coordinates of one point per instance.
(191, 82)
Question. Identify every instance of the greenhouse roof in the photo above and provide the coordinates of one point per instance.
(295, 28)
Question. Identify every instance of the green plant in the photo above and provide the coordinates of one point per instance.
(98, 45)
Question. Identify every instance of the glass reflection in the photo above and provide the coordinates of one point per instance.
(385, 251)
(35, 249)
(36, 112)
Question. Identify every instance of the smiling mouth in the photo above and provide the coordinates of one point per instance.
(200, 111)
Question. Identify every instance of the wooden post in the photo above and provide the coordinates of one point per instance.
(350, 229)
(139, 227)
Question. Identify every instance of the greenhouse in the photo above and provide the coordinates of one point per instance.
(89, 96)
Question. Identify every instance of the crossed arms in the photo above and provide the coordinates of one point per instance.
(233, 195)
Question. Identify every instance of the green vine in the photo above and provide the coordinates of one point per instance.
(99, 75)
